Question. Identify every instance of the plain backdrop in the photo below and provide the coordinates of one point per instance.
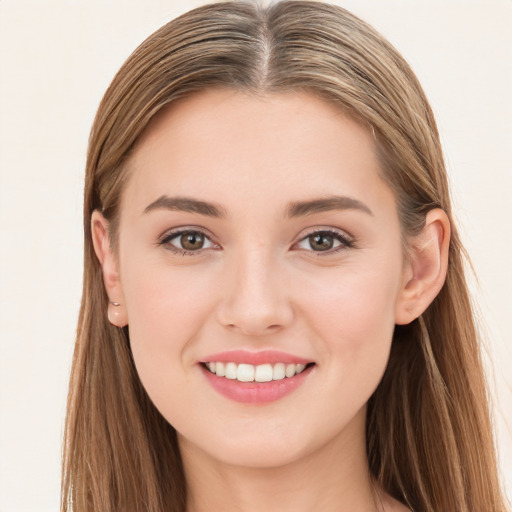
(56, 60)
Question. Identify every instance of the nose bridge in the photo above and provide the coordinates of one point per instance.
(254, 298)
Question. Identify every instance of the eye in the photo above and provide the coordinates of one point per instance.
(325, 241)
(187, 241)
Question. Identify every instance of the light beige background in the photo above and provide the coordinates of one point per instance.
(57, 58)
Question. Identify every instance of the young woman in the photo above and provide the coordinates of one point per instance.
(275, 315)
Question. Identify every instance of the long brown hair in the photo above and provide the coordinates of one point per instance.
(429, 438)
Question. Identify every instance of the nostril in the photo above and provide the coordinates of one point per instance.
(253, 329)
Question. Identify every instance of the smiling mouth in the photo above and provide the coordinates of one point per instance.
(255, 373)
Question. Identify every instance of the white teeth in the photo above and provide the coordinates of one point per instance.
(250, 373)
(245, 373)
(300, 368)
(231, 371)
(290, 370)
(263, 373)
(220, 369)
(278, 372)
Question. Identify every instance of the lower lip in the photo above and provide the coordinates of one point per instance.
(255, 392)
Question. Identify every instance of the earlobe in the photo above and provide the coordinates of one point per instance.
(109, 264)
(116, 313)
(426, 269)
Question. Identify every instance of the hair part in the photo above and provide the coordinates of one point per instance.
(429, 436)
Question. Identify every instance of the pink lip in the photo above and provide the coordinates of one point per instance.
(255, 392)
(255, 358)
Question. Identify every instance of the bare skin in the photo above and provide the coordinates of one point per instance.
(312, 486)
(275, 261)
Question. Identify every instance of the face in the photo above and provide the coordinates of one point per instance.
(258, 240)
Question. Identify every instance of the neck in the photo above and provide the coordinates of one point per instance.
(333, 477)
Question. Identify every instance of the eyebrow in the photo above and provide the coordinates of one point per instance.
(293, 209)
(326, 204)
(186, 204)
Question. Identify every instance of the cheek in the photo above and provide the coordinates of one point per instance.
(166, 309)
(165, 301)
(353, 315)
(353, 324)
(354, 301)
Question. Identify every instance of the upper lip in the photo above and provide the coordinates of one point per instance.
(255, 358)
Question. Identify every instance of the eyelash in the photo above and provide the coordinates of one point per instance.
(346, 242)
(168, 237)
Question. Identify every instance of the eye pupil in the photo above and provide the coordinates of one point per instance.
(192, 241)
(321, 242)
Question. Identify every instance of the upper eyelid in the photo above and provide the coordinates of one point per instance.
(169, 235)
(324, 229)
(346, 241)
(173, 232)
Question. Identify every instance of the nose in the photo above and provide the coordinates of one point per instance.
(254, 296)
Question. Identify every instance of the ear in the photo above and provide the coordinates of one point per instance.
(101, 241)
(425, 271)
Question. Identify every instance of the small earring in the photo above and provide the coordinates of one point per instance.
(116, 314)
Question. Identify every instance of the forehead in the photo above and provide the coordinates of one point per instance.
(262, 147)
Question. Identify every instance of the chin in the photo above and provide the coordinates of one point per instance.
(258, 455)
(259, 448)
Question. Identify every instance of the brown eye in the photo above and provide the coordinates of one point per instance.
(192, 241)
(321, 241)
(325, 241)
(187, 242)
